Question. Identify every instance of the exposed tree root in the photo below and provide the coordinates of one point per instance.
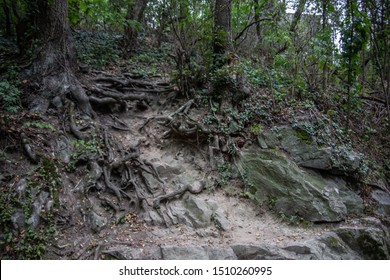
(31, 155)
(157, 201)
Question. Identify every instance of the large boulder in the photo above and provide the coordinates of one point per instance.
(368, 237)
(279, 182)
(382, 203)
(199, 213)
(306, 152)
(197, 253)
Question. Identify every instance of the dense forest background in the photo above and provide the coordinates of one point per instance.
(253, 63)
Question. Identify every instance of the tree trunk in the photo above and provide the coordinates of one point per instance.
(55, 62)
(135, 14)
(324, 28)
(259, 32)
(223, 42)
(8, 22)
(294, 23)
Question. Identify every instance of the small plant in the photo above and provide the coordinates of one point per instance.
(84, 150)
(256, 129)
(216, 222)
(9, 97)
(28, 242)
(40, 125)
(97, 49)
(271, 202)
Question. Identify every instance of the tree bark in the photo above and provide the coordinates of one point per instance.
(8, 22)
(135, 13)
(294, 23)
(55, 63)
(223, 42)
(324, 28)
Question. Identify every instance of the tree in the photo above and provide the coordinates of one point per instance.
(222, 42)
(134, 16)
(55, 62)
(7, 14)
(294, 23)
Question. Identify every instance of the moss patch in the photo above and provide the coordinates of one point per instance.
(304, 136)
(370, 247)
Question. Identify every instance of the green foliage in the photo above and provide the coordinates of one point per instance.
(256, 129)
(83, 151)
(40, 125)
(28, 242)
(149, 63)
(294, 220)
(228, 178)
(97, 14)
(97, 49)
(255, 73)
(9, 97)
(355, 34)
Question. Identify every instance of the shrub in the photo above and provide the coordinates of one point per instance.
(9, 97)
(97, 49)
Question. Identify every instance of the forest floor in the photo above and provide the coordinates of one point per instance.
(177, 159)
(248, 223)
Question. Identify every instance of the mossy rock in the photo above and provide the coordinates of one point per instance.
(371, 243)
(302, 147)
(296, 191)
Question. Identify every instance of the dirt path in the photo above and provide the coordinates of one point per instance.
(248, 223)
(178, 163)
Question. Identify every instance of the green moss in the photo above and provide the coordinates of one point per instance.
(304, 136)
(371, 247)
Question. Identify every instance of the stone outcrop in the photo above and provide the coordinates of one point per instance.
(306, 152)
(278, 182)
(361, 239)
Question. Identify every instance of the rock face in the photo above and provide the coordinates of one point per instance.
(199, 213)
(368, 237)
(362, 239)
(197, 252)
(292, 191)
(97, 222)
(304, 150)
(382, 200)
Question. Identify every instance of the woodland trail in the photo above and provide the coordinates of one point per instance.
(167, 173)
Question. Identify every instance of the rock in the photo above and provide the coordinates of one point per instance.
(151, 180)
(220, 253)
(40, 200)
(126, 253)
(18, 220)
(329, 246)
(170, 168)
(261, 252)
(97, 222)
(184, 253)
(370, 239)
(275, 180)
(234, 128)
(220, 221)
(57, 103)
(197, 253)
(21, 187)
(199, 213)
(64, 149)
(307, 153)
(262, 142)
(382, 200)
